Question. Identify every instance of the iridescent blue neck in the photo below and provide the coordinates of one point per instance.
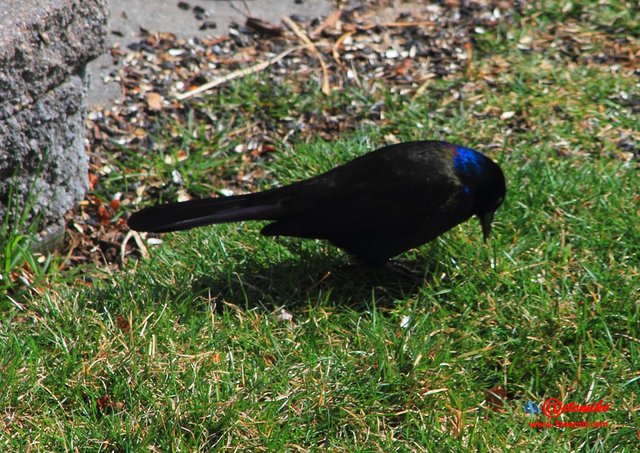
(468, 161)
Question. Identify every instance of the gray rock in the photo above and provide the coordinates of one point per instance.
(44, 48)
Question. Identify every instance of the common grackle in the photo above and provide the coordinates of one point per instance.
(374, 207)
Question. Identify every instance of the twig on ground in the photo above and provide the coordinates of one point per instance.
(329, 22)
(237, 74)
(337, 45)
(423, 87)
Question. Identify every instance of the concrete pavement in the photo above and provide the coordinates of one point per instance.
(184, 18)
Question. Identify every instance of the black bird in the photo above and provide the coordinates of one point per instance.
(375, 207)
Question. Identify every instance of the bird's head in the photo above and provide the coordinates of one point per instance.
(483, 181)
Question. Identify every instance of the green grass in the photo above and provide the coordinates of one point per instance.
(21, 269)
(189, 350)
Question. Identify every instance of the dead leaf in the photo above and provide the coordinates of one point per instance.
(495, 398)
(402, 68)
(123, 324)
(93, 180)
(284, 316)
(104, 214)
(154, 101)
(107, 405)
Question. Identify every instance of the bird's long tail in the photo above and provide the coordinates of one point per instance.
(194, 213)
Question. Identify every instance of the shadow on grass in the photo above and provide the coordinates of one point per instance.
(317, 279)
(308, 279)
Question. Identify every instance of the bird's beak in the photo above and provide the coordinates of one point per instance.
(485, 221)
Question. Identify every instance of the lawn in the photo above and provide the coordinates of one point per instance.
(223, 339)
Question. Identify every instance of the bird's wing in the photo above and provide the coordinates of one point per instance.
(364, 196)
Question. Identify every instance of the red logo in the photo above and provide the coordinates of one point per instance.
(553, 407)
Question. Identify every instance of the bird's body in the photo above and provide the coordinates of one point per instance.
(374, 207)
